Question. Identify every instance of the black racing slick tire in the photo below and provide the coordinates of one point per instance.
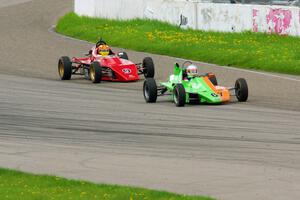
(212, 78)
(150, 90)
(65, 68)
(241, 90)
(179, 95)
(95, 72)
(123, 55)
(149, 69)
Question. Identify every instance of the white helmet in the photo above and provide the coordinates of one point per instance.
(191, 70)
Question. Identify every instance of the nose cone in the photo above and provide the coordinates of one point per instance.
(211, 97)
(205, 89)
(129, 72)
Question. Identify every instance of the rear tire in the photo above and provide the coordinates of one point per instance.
(241, 90)
(123, 55)
(65, 68)
(213, 79)
(179, 95)
(149, 69)
(95, 72)
(150, 90)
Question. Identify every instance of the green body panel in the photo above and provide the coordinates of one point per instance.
(196, 85)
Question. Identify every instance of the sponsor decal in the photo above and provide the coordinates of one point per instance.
(126, 71)
(183, 20)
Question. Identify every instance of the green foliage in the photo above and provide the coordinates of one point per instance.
(258, 51)
(17, 185)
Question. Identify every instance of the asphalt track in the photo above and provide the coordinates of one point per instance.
(106, 133)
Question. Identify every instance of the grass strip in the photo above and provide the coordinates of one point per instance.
(267, 52)
(16, 185)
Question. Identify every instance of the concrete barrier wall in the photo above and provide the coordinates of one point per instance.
(226, 17)
(119, 9)
(171, 11)
(204, 16)
(281, 20)
(85, 7)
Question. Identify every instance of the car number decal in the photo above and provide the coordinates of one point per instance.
(126, 71)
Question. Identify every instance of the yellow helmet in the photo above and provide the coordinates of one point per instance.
(103, 50)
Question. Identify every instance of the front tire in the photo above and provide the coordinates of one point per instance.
(150, 90)
(149, 69)
(179, 95)
(65, 68)
(95, 72)
(241, 90)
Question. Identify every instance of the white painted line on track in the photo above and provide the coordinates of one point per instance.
(263, 73)
(51, 29)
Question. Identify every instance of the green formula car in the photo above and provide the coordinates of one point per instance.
(186, 86)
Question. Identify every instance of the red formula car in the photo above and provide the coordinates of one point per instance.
(97, 68)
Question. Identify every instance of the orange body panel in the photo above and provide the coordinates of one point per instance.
(222, 91)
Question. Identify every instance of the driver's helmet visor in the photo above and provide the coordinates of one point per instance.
(104, 52)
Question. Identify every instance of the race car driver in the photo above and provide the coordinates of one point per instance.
(101, 49)
(190, 72)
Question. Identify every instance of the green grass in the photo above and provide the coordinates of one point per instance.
(268, 52)
(16, 185)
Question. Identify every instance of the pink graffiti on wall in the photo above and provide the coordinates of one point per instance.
(279, 21)
(254, 22)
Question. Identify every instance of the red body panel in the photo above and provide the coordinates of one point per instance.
(123, 70)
